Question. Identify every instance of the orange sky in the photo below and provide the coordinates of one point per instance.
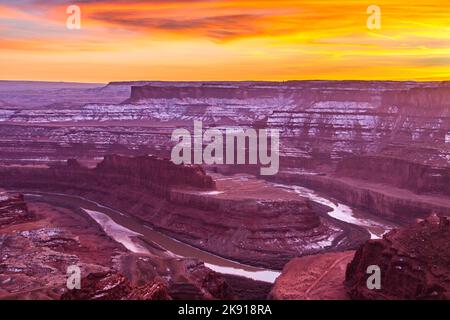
(224, 40)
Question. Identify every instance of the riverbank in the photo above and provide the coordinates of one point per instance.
(140, 238)
(42, 239)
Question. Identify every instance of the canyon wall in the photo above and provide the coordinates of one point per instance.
(417, 177)
(321, 122)
(398, 130)
(215, 91)
(395, 204)
(152, 172)
(262, 228)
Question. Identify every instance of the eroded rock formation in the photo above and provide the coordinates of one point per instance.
(39, 241)
(251, 222)
(414, 263)
(152, 173)
(114, 286)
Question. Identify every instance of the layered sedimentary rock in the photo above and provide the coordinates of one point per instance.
(380, 146)
(415, 176)
(436, 100)
(18, 95)
(321, 121)
(243, 219)
(184, 278)
(218, 90)
(153, 173)
(349, 120)
(414, 263)
(381, 199)
(341, 131)
(394, 136)
(13, 209)
(400, 129)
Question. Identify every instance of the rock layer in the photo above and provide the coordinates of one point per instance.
(251, 222)
(414, 263)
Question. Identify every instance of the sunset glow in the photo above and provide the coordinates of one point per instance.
(224, 40)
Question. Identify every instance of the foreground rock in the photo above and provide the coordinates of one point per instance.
(317, 277)
(37, 244)
(114, 286)
(414, 263)
(13, 209)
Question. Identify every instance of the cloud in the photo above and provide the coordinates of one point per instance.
(219, 27)
(255, 38)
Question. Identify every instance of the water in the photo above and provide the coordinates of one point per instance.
(127, 230)
(343, 212)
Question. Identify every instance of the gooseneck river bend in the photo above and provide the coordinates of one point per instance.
(125, 229)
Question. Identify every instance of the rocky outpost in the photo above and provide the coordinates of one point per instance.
(152, 172)
(13, 209)
(414, 263)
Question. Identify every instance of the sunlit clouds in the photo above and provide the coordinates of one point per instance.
(224, 40)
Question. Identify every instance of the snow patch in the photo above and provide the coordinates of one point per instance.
(117, 232)
(263, 275)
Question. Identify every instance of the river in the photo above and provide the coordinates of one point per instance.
(126, 230)
(375, 226)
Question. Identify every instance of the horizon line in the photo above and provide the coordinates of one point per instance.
(211, 81)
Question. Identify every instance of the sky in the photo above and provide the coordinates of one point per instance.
(224, 40)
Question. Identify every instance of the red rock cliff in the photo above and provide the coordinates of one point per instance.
(152, 171)
(414, 263)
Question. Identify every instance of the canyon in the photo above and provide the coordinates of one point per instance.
(242, 218)
(40, 240)
(357, 159)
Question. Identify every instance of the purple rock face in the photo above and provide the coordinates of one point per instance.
(322, 122)
(414, 263)
(357, 158)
